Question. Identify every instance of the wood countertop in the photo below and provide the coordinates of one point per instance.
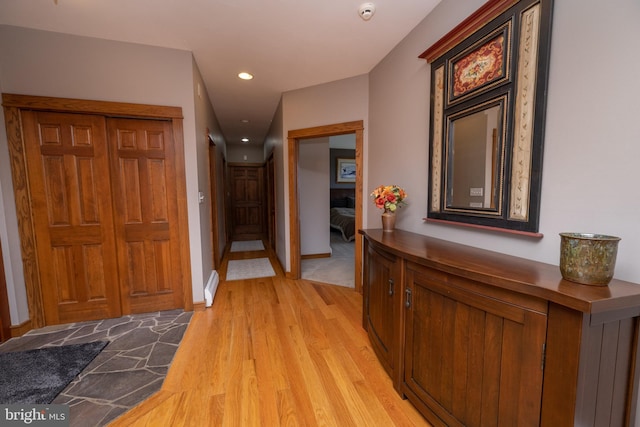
(521, 275)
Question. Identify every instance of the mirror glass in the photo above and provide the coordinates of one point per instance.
(474, 160)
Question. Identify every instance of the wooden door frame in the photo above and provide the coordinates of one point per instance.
(13, 104)
(270, 168)
(293, 143)
(213, 199)
(5, 315)
(227, 203)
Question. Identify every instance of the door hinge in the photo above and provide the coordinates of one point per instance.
(544, 355)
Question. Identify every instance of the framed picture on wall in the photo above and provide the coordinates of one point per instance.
(346, 170)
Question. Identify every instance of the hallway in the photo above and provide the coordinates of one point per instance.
(275, 352)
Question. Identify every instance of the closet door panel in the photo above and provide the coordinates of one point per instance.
(145, 194)
(69, 178)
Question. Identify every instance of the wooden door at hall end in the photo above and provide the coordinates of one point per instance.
(103, 201)
(247, 202)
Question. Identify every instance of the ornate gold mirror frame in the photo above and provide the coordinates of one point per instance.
(488, 101)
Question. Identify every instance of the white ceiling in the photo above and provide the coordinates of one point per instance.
(286, 44)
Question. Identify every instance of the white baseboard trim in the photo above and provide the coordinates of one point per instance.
(210, 288)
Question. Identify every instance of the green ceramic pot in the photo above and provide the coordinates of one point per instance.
(589, 259)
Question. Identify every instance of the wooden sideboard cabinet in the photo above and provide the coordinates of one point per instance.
(477, 338)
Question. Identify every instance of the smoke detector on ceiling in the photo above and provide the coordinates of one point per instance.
(366, 10)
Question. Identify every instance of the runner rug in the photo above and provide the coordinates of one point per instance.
(247, 246)
(38, 376)
(249, 269)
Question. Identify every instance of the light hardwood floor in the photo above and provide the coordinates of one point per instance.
(276, 352)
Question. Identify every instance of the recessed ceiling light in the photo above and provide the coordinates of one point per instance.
(245, 76)
(245, 139)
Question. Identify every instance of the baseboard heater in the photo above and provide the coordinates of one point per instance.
(210, 288)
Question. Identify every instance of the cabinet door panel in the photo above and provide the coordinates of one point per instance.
(472, 359)
(380, 280)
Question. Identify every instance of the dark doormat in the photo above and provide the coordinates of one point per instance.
(38, 376)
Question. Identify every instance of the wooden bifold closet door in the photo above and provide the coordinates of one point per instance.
(103, 197)
(144, 189)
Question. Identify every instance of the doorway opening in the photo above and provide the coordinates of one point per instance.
(294, 137)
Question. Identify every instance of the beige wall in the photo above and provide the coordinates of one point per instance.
(590, 173)
(245, 153)
(336, 102)
(205, 119)
(313, 182)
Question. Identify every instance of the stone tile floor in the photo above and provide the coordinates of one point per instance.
(130, 368)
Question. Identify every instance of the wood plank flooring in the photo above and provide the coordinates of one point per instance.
(276, 352)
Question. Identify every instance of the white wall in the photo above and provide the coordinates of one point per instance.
(592, 141)
(336, 102)
(313, 183)
(58, 65)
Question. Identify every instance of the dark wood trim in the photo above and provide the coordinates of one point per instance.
(294, 137)
(314, 256)
(199, 306)
(270, 183)
(477, 20)
(22, 328)
(328, 130)
(213, 203)
(632, 410)
(294, 216)
(183, 214)
(26, 231)
(359, 202)
(104, 108)
(226, 196)
(5, 315)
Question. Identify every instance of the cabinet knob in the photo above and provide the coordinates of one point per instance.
(390, 287)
